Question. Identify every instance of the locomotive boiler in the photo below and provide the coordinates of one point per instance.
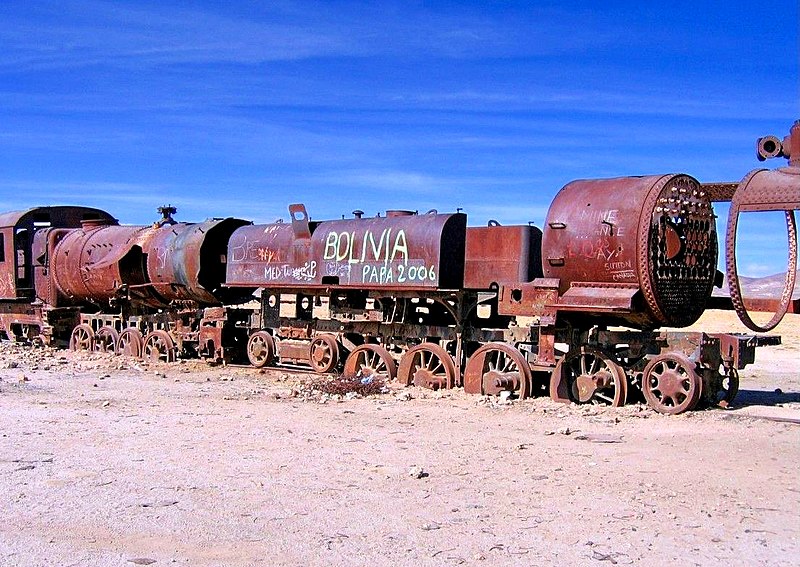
(134, 289)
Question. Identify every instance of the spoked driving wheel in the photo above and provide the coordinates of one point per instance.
(370, 360)
(130, 342)
(82, 338)
(589, 376)
(106, 339)
(496, 367)
(260, 349)
(323, 354)
(158, 346)
(427, 365)
(670, 384)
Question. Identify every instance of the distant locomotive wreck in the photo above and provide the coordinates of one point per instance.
(573, 309)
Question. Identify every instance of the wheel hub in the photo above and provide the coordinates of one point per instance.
(586, 385)
(671, 384)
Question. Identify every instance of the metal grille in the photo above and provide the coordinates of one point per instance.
(683, 250)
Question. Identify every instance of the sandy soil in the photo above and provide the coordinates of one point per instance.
(110, 461)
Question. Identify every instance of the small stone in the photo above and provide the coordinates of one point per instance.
(417, 472)
(430, 526)
(404, 396)
(565, 431)
(105, 404)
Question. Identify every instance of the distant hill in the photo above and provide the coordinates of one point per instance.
(769, 287)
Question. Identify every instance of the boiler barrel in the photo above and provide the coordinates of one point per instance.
(653, 235)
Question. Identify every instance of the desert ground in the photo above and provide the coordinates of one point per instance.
(112, 461)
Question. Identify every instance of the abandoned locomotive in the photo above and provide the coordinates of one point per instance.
(573, 309)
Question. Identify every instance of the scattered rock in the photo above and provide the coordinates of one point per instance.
(417, 472)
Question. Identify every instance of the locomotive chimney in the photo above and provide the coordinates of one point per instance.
(166, 213)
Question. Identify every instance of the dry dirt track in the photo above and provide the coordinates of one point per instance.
(106, 461)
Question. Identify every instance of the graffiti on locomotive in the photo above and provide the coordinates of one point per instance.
(604, 243)
(375, 257)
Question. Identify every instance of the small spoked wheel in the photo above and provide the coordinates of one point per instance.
(323, 354)
(497, 367)
(671, 384)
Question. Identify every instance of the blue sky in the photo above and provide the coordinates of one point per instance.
(240, 108)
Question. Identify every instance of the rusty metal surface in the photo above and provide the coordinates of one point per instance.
(150, 266)
(499, 254)
(91, 265)
(765, 190)
(18, 231)
(401, 252)
(720, 191)
(537, 298)
(656, 232)
(186, 262)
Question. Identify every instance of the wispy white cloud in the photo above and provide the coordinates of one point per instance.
(91, 32)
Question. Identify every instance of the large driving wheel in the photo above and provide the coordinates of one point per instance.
(106, 339)
(589, 376)
(370, 360)
(260, 349)
(158, 346)
(82, 338)
(670, 384)
(323, 354)
(130, 342)
(427, 365)
(495, 367)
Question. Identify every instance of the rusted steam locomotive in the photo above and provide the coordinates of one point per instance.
(573, 309)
